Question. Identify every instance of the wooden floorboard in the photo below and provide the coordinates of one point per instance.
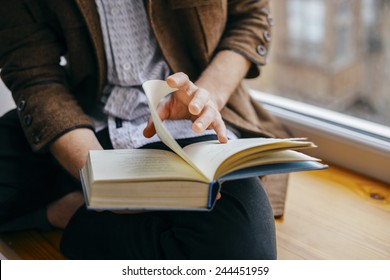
(31, 245)
(335, 214)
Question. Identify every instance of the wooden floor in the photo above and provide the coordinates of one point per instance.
(330, 214)
(31, 245)
(335, 214)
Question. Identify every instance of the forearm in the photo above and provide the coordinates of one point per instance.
(223, 75)
(71, 149)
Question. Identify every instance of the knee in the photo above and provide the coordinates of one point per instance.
(14, 202)
(247, 230)
(7, 203)
(7, 215)
(4, 216)
(249, 242)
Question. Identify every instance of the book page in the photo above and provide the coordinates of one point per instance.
(155, 91)
(268, 158)
(138, 164)
(211, 154)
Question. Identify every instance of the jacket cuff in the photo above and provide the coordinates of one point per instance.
(46, 112)
(251, 38)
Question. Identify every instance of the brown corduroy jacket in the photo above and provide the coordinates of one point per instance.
(53, 99)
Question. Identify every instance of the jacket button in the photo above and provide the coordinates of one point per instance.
(22, 105)
(36, 138)
(262, 50)
(27, 120)
(267, 36)
(270, 20)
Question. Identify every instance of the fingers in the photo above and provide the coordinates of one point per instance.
(220, 128)
(198, 102)
(195, 97)
(210, 118)
(206, 118)
(205, 114)
(182, 82)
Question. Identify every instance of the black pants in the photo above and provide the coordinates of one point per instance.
(241, 226)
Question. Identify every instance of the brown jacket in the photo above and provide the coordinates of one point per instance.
(53, 99)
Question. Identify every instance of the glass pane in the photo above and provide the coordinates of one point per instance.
(6, 101)
(331, 53)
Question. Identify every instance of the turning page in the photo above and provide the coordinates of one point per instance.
(155, 91)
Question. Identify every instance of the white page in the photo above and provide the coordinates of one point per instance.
(211, 154)
(138, 164)
(276, 157)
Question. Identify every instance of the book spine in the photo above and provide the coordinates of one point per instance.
(214, 189)
(84, 187)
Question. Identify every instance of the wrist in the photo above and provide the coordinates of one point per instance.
(223, 75)
(71, 149)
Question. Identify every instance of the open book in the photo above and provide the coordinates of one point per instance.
(186, 178)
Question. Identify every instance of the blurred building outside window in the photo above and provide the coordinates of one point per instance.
(334, 54)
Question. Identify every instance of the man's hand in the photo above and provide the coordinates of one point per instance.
(189, 102)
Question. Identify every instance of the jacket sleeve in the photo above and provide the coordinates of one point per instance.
(248, 31)
(30, 53)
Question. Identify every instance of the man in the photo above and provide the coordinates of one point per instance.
(94, 101)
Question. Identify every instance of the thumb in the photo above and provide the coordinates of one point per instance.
(163, 114)
(149, 130)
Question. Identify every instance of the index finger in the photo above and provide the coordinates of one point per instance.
(181, 81)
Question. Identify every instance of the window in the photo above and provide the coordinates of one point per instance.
(371, 25)
(333, 55)
(344, 49)
(306, 32)
(6, 101)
